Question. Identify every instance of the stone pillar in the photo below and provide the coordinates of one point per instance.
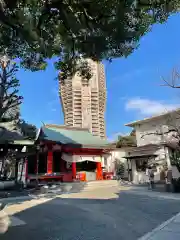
(74, 170)
(99, 173)
(50, 162)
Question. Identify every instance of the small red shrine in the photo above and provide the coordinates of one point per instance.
(67, 154)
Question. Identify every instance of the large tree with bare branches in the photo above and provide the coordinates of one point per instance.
(34, 30)
(11, 126)
(9, 97)
(173, 81)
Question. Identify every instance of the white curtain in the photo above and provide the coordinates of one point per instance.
(79, 158)
(67, 157)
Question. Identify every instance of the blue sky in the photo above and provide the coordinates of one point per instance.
(134, 88)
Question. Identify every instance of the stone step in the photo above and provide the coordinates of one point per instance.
(78, 186)
(105, 182)
(100, 185)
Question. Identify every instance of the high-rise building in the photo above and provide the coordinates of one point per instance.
(84, 101)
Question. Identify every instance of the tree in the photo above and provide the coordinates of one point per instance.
(9, 99)
(28, 130)
(74, 30)
(126, 141)
(133, 133)
(11, 126)
(119, 168)
(174, 82)
(175, 158)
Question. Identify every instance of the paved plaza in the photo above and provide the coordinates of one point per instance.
(93, 215)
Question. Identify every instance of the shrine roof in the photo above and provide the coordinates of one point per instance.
(78, 137)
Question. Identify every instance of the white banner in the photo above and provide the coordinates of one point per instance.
(79, 158)
(67, 157)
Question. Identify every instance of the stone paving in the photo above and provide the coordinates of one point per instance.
(107, 213)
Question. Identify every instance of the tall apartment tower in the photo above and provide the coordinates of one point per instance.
(84, 101)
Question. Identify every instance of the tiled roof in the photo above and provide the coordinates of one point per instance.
(166, 113)
(71, 136)
(9, 132)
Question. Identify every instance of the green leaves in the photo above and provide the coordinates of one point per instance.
(175, 158)
(28, 131)
(71, 30)
(119, 167)
(126, 141)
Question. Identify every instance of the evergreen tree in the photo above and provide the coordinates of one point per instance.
(119, 168)
(28, 130)
(126, 141)
(34, 30)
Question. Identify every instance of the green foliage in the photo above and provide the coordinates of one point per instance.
(119, 168)
(175, 158)
(28, 131)
(133, 133)
(126, 141)
(35, 30)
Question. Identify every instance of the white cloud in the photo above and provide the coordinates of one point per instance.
(149, 107)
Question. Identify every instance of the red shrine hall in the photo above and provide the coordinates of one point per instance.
(67, 154)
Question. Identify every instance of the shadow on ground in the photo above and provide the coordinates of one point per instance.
(51, 191)
(126, 217)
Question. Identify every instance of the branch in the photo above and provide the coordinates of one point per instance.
(11, 95)
(11, 103)
(12, 70)
(172, 82)
(14, 83)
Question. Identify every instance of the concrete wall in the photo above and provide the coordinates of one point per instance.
(141, 177)
(161, 125)
(162, 158)
(155, 131)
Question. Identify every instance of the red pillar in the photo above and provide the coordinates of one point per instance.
(99, 174)
(74, 170)
(50, 162)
